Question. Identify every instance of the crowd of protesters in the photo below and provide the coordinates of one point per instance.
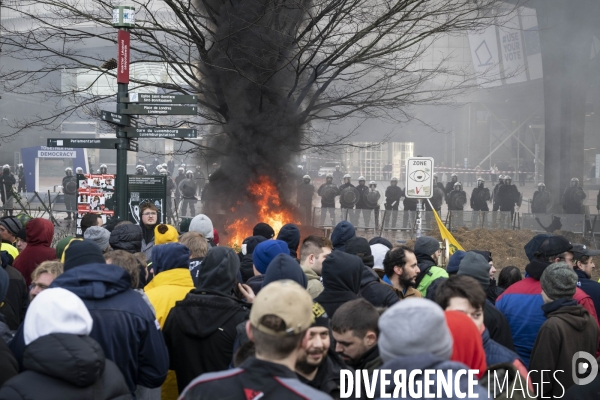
(150, 311)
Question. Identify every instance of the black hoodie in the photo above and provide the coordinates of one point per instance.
(290, 234)
(65, 366)
(126, 237)
(341, 276)
(205, 320)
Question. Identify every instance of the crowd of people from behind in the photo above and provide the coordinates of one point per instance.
(150, 311)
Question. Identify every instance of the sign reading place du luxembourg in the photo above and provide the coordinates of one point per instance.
(153, 98)
(141, 109)
(161, 133)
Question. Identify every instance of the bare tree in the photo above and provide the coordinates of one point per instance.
(265, 71)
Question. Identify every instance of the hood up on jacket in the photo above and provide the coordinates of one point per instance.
(290, 234)
(342, 232)
(378, 251)
(39, 232)
(170, 256)
(285, 267)
(94, 281)
(78, 360)
(359, 246)
(342, 272)
(219, 270)
(126, 237)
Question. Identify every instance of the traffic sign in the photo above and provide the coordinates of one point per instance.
(153, 98)
(419, 177)
(140, 109)
(160, 133)
(84, 143)
(117, 119)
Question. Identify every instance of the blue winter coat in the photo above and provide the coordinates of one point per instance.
(124, 325)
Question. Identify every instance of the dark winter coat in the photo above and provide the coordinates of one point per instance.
(495, 198)
(252, 380)
(569, 202)
(16, 300)
(341, 275)
(589, 287)
(7, 180)
(374, 291)
(457, 200)
(66, 367)
(206, 320)
(437, 197)
(493, 291)
(497, 325)
(449, 187)
(126, 237)
(342, 232)
(256, 283)
(69, 184)
(178, 180)
(39, 237)
(124, 325)
(568, 329)
(495, 353)
(410, 204)
(305, 194)
(327, 379)
(8, 364)
(392, 197)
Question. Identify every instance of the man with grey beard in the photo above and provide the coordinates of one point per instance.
(316, 366)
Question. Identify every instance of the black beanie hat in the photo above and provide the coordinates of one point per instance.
(381, 240)
(82, 252)
(358, 245)
(264, 230)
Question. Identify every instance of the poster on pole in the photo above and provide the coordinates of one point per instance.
(95, 194)
(419, 177)
(146, 189)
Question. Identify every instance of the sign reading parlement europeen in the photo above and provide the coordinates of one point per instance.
(53, 152)
(419, 177)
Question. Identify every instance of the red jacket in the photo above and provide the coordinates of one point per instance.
(39, 237)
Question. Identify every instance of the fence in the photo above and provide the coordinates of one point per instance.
(403, 220)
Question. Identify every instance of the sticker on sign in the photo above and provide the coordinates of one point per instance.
(419, 177)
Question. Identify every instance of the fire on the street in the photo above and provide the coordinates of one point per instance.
(270, 210)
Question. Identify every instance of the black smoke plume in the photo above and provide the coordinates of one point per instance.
(248, 74)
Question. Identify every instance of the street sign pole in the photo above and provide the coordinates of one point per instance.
(123, 18)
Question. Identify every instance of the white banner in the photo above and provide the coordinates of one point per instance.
(511, 48)
(484, 53)
(50, 153)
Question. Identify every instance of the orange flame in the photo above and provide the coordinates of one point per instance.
(270, 210)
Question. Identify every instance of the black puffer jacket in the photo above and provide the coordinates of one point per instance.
(126, 237)
(63, 367)
(16, 300)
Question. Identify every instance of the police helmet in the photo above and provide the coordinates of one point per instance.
(454, 176)
(139, 167)
(68, 169)
(164, 165)
(541, 184)
(19, 165)
(329, 175)
(480, 180)
(507, 178)
(158, 167)
(103, 166)
(181, 169)
(163, 171)
(347, 176)
(457, 185)
(189, 171)
(306, 177)
(394, 179)
(183, 166)
(361, 178)
(574, 182)
(372, 183)
(78, 170)
(6, 166)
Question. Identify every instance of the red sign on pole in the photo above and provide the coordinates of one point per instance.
(123, 56)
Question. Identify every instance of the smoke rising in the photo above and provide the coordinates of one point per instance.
(248, 75)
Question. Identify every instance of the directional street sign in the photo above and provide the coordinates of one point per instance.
(84, 143)
(160, 133)
(160, 110)
(117, 119)
(153, 98)
(419, 177)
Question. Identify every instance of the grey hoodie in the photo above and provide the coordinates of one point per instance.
(429, 361)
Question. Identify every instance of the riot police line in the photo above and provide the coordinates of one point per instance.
(361, 206)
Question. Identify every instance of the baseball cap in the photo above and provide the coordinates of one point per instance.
(580, 250)
(284, 299)
(554, 245)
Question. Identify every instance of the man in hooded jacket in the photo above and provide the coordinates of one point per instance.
(124, 325)
(341, 275)
(206, 319)
(427, 250)
(39, 237)
(371, 288)
(61, 360)
(246, 264)
(126, 237)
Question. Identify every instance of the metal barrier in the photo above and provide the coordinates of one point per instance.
(360, 218)
(536, 222)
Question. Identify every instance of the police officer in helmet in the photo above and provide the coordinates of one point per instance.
(69, 184)
(573, 197)
(393, 194)
(304, 198)
(328, 192)
(541, 200)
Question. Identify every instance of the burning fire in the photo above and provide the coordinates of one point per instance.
(270, 210)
